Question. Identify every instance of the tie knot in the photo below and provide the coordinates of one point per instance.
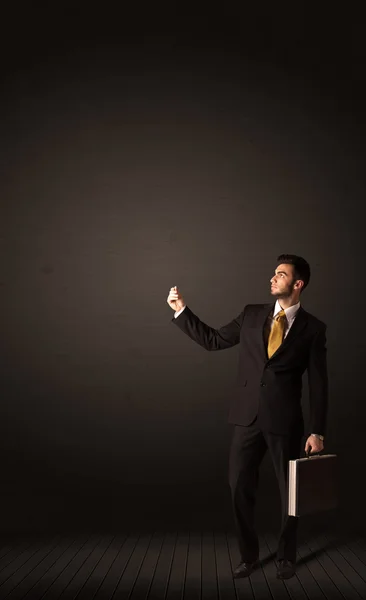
(280, 315)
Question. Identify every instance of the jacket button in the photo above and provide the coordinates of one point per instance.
(263, 384)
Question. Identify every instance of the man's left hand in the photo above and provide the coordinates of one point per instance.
(313, 444)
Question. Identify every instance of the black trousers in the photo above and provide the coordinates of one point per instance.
(248, 447)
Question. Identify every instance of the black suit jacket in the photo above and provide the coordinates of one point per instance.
(270, 389)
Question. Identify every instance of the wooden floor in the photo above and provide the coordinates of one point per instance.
(166, 565)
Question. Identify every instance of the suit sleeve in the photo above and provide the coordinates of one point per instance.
(206, 336)
(318, 383)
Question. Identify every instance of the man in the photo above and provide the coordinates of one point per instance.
(278, 342)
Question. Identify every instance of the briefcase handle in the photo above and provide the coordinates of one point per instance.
(309, 455)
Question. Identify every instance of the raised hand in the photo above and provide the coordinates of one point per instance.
(175, 299)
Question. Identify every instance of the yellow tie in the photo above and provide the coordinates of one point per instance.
(276, 334)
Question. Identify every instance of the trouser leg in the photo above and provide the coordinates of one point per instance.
(247, 450)
(283, 448)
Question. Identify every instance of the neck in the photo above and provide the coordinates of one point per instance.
(287, 302)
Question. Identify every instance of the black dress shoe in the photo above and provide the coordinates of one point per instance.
(285, 569)
(245, 569)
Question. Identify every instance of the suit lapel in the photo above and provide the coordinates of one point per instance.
(267, 311)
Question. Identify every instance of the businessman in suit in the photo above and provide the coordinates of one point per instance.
(277, 343)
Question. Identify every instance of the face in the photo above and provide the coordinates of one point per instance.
(283, 282)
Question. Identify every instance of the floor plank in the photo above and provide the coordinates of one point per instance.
(103, 566)
(320, 575)
(47, 580)
(159, 584)
(148, 568)
(192, 588)
(20, 580)
(209, 571)
(176, 582)
(36, 575)
(225, 581)
(331, 567)
(68, 572)
(85, 572)
(11, 556)
(123, 574)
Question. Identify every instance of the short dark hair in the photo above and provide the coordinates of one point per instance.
(301, 267)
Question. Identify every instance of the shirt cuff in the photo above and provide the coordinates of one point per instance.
(321, 437)
(177, 313)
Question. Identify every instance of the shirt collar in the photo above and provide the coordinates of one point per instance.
(289, 312)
